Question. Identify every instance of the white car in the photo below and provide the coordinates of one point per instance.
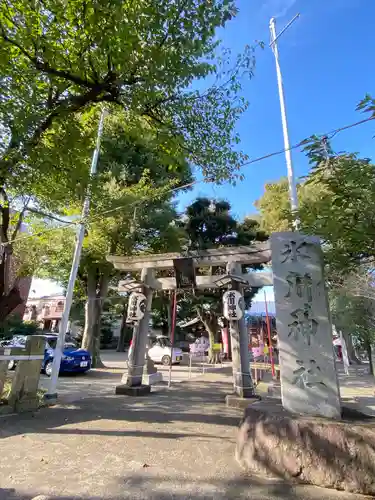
(161, 351)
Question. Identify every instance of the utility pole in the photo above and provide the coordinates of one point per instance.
(288, 157)
(52, 389)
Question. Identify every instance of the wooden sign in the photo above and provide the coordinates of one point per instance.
(185, 273)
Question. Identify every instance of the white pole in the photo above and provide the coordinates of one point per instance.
(52, 389)
(288, 157)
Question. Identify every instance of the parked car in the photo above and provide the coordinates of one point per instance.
(161, 351)
(184, 345)
(74, 360)
(16, 341)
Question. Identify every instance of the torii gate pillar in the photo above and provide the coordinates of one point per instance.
(133, 385)
(242, 381)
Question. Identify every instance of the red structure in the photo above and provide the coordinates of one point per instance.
(261, 323)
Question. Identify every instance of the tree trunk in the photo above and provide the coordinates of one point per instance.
(350, 348)
(213, 357)
(9, 301)
(369, 354)
(10, 296)
(95, 355)
(96, 294)
(102, 295)
(88, 332)
(211, 324)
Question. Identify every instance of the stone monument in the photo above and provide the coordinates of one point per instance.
(308, 374)
(151, 375)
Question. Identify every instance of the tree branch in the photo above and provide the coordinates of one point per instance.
(5, 219)
(20, 220)
(45, 67)
(172, 25)
(45, 214)
(71, 105)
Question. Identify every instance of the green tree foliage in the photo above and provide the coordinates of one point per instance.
(353, 314)
(161, 311)
(274, 206)
(346, 220)
(337, 203)
(209, 224)
(59, 58)
(133, 213)
(106, 331)
(16, 326)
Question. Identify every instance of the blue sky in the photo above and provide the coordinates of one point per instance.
(327, 60)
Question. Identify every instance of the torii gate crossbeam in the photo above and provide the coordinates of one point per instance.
(232, 258)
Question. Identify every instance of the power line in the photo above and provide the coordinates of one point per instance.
(92, 218)
(98, 215)
(328, 135)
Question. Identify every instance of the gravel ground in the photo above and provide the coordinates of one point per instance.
(173, 444)
(104, 380)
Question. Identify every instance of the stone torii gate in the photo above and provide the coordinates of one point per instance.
(230, 257)
(309, 382)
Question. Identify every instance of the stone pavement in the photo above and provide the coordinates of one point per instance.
(173, 444)
(357, 389)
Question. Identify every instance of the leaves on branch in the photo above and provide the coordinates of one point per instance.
(59, 58)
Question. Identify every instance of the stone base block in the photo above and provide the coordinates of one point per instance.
(274, 389)
(152, 378)
(30, 404)
(50, 398)
(140, 390)
(5, 409)
(234, 401)
(323, 452)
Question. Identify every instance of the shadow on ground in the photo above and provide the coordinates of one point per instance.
(201, 402)
(145, 486)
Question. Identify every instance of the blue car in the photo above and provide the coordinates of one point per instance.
(74, 360)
